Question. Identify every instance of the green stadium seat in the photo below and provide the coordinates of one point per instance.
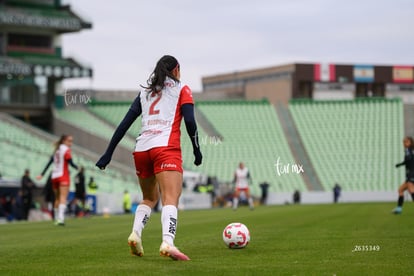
(114, 113)
(21, 150)
(354, 143)
(252, 134)
(88, 122)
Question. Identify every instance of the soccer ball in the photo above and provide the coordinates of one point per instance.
(236, 235)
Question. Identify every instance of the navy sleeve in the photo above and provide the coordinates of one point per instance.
(190, 123)
(134, 111)
(47, 166)
(70, 161)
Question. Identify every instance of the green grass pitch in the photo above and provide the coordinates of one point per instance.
(342, 239)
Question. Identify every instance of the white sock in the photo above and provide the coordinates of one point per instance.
(61, 214)
(55, 213)
(251, 203)
(169, 223)
(142, 215)
(235, 202)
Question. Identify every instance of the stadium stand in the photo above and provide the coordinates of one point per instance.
(251, 134)
(353, 142)
(343, 149)
(83, 119)
(22, 148)
(113, 113)
(296, 147)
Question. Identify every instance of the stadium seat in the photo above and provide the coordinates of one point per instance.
(88, 122)
(21, 150)
(114, 113)
(354, 143)
(253, 135)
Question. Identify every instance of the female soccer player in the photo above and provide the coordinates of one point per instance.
(409, 168)
(61, 160)
(241, 179)
(162, 104)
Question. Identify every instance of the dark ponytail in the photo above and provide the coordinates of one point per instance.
(163, 69)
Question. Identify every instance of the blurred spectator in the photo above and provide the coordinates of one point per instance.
(80, 192)
(264, 187)
(214, 189)
(49, 195)
(336, 192)
(92, 186)
(127, 202)
(5, 206)
(296, 197)
(2, 213)
(17, 206)
(27, 186)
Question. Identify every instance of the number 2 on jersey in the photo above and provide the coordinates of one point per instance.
(152, 110)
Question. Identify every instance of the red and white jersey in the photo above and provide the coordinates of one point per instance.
(161, 116)
(60, 162)
(242, 178)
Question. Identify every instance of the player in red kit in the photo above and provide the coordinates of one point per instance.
(158, 162)
(61, 159)
(241, 180)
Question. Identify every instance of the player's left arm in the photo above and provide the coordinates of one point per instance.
(134, 111)
(407, 158)
(191, 126)
(68, 158)
(402, 163)
(187, 110)
(249, 177)
(45, 169)
(73, 165)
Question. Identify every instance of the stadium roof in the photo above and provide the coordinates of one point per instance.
(61, 19)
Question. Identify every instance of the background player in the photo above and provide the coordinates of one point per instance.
(409, 168)
(61, 160)
(157, 155)
(241, 179)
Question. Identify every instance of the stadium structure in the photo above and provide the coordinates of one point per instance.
(299, 127)
(32, 65)
(280, 84)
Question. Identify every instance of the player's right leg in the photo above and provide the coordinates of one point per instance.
(236, 199)
(400, 202)
(171, 251)
(170, 185)
(249, 199)
(150, 194)
(410, 187)
(56, 204)
(150, 191)
(63, 194)
(55, 187)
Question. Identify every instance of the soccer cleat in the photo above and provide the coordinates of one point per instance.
(397, 210)
(135, 244)
(167, 250)
(59, 223)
